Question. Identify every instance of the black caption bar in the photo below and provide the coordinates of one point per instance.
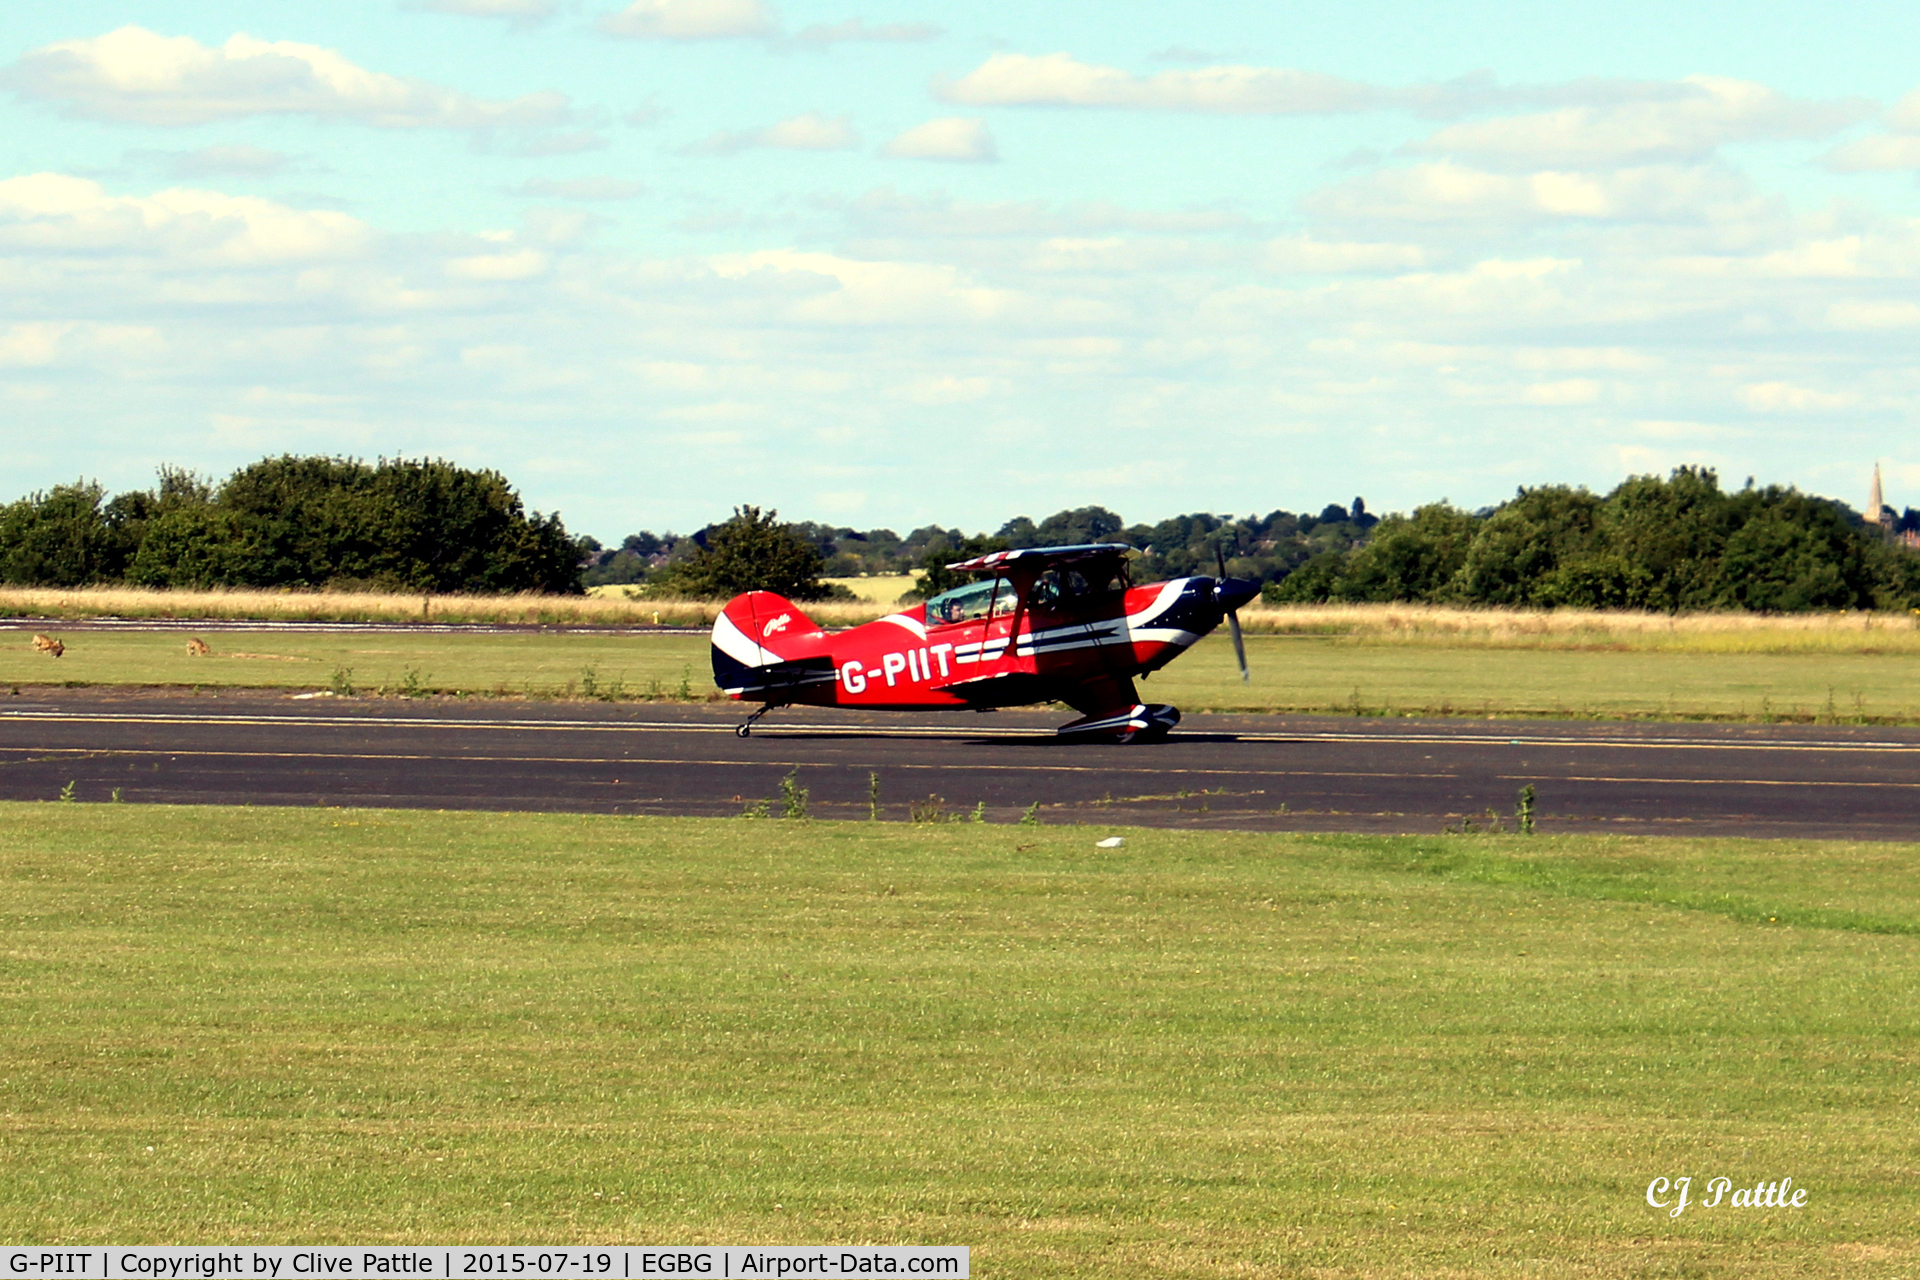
(491, 1262)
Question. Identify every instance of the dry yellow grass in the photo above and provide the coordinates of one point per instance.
(606, 609)
(1443, 627)
(1392, 624)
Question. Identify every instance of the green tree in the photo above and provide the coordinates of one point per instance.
(1410, 558)
(60, 538)
(438, 527)
(1312, 583)
(751, 552)
(1673, 531)
(300, 521)
(401, 526)
(1077, 527)
(934, 575)
(189, 547)
(1595, 580)
(1521, 545)
(1792, 553)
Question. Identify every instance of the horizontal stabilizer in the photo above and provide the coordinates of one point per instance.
(737, 679)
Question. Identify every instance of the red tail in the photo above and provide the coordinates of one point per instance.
(763, 647)
(769, 622)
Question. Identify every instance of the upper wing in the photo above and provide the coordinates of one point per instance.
(1040, 558)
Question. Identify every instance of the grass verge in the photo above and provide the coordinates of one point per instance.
(1302, 674)
(1199, 1054)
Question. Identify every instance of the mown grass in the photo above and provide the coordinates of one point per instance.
(1334, 675)
(1306, 674)
(560, 664)
(1197, 1055)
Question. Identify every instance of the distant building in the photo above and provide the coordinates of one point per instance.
(1878, 512)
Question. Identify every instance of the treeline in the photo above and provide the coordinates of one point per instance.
(1673, 544)
(396, 525)
(1667, 544)
(1259, 548)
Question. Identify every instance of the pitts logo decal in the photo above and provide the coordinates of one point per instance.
(778, 624)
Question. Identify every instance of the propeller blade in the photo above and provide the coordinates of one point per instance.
(1233, 620)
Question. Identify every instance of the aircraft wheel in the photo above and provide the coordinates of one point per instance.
(743, 731)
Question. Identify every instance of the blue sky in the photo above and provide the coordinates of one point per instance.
(887, 264)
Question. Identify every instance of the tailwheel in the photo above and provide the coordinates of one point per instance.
(746, 727)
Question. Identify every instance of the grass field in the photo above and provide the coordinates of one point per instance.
(1302, 673)
(881, 589)
(522, 663)
(1197, 1055)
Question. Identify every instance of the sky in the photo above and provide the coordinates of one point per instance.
(898, 263)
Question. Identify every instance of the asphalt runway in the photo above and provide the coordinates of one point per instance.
(1239, 772)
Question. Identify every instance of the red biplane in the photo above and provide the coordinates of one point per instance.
(1042, 624)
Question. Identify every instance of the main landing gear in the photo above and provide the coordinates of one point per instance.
(746, 728)
(1139, 723)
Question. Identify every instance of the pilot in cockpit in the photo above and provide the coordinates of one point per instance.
(1057, 587)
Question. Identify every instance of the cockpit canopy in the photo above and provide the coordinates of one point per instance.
(1059, 587)
(992, 597)
(1055, 589)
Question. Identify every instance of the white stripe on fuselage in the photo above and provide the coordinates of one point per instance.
(1133, 628)
(908, 621)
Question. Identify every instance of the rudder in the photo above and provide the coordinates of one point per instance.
(764, 646)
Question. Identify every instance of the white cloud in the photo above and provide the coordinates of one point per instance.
(1616, 358)
(537, 143)
(595, 188)
(809, 132)
(518, 10)
(1441, 191)
(82, 345)
(1340, 257)
(1906, 113)
(861, 292)
(1879, 153)
(1714, 112)
(1058, 79)
(32, 344)
(1783, 397)
(886, 211)
(948, 138)
(507, 264)
(856, 29)
(1883, 152)
(1564, 392)
(55, 212)
(690, 20)
(213, 161)
(945, 389)
(1874, 315)
(136, 76)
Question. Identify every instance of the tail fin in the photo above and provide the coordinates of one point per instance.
(764, 647)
